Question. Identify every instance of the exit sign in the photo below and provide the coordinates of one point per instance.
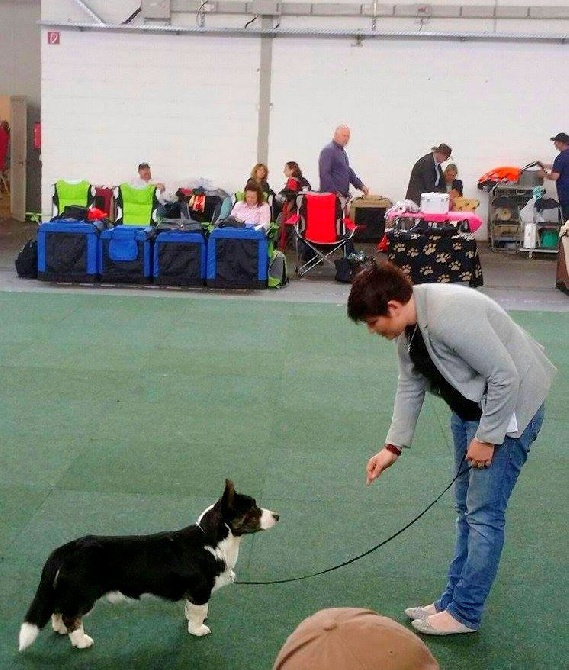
(53, 37)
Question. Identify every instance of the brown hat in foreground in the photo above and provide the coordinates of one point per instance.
(346, 638)
(443, 149)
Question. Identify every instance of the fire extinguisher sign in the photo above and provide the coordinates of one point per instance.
(53, 37)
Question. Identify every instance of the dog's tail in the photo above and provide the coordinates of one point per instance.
(43, 603)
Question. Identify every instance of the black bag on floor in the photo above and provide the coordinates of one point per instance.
(348, 266)
(344, 270)
(27, 260)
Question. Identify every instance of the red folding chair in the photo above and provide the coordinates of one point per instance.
(321, 231)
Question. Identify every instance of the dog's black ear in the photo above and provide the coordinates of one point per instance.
(229, 493)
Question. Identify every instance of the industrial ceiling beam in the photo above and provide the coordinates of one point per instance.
(462, 36)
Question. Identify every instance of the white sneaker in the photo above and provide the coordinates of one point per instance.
(420, 612)
(428, 626)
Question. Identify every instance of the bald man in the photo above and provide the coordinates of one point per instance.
(336, 175)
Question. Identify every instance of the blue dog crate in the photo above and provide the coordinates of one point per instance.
(237, 258)
(125, 255)
(179, 258)
(68, 251)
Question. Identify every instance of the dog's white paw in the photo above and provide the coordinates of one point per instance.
(232, 576)
(115, 597)
(58, 625)
(197, 613)
(80, 640)
(199, 631)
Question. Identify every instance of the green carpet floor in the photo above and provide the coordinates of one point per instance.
(125, 414)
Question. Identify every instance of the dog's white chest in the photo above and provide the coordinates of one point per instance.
(227, 551)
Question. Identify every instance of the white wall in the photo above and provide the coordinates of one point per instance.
(20, 75)
(186, 106)
(402, 98)
(19, 49)
(189, 104)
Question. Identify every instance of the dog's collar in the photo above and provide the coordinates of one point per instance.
(226, 525)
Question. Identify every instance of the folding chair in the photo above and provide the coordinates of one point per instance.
(68, 194)
(323, 229)
(136, 206)
(287, 219)
(103, 198)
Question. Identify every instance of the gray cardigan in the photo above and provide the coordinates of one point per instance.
(482, 352)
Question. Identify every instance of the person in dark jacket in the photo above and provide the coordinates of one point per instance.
(427, 175)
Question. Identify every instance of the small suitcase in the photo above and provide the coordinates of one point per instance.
(125, 255)
(435, 203)
(237, 258)
(68, 251)
(369, 214)
(179, 258)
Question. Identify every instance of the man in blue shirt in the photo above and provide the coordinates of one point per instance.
(336, 175)
(559, 171)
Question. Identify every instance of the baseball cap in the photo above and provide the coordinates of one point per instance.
(443, 148)
(344, 638)
(143, 166)
(560, 137)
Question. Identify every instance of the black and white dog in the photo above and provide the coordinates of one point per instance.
(190, 563)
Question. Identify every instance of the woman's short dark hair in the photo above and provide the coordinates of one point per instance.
(374, 286)
(253, 186)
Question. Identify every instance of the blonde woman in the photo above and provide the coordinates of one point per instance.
(258, 176)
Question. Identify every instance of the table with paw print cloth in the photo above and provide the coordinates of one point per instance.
(435, 254)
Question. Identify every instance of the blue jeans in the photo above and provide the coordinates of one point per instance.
(481, 498)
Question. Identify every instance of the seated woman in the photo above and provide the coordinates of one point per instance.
(295, 183)
(253, 210)
(258, 176)
(453, 185)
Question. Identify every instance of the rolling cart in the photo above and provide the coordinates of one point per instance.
(504, 204)
(540, 233)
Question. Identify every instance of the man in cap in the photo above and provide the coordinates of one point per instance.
(145, 178)
(427, 175)
(345, 638)
(559, 171)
